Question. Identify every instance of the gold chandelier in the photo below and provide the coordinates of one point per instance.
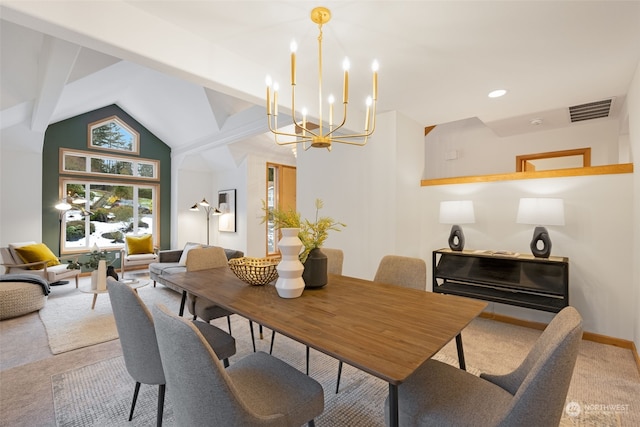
(316, 135)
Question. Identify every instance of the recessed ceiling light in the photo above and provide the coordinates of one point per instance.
(497, 93)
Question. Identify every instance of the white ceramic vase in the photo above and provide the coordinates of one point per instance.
(99, 276)
(290, 283)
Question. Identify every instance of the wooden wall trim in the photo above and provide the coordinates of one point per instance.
(522, 159)
(558, 173)
(428, 129)
(588, 336)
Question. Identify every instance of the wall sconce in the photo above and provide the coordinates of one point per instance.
(208, 211)
(457, 212)
(540, 212)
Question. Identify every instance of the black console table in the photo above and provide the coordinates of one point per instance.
(516, 279)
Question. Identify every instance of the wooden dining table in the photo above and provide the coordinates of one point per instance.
(385, 330)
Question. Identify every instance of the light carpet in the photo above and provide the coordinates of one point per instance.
(100, 394)
(70, 322)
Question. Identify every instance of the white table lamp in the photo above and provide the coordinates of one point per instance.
(541, 212)
(456, 212)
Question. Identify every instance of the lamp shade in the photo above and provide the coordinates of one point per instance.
(541, 211)
(63, 205)
(457, 212)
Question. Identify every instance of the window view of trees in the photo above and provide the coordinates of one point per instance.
(101, 164)
(114, 135)
(103, 213)
(75, 163)
(112, 167)
(105, 208)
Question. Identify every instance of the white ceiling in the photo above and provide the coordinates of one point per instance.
(193, 72)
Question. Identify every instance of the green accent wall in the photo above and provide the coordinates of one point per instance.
(72, 133)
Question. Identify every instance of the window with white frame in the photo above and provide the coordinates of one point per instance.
(103, 213)
(113, 134)
(97, 164)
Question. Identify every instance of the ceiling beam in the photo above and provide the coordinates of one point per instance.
(248, 123)
(58, 59)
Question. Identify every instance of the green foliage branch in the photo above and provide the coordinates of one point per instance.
(92, 263)
(312, 234)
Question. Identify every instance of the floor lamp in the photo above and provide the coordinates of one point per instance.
(62, 208)
(208, 210)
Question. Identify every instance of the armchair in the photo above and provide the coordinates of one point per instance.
(138, 250)
(36, 258)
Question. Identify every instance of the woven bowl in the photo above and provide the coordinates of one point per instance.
(255, 271)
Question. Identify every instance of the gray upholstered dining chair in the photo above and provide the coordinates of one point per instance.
(257, 390)
(533, 394)
(203, 259)
(401, 271)
(335, 259)
(140, 347)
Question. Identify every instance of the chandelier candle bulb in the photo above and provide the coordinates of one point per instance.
(304, 122)
(366, 119)
(375, 67)
(268, 81)
(294, 48)
(345, 93)
(275, 99)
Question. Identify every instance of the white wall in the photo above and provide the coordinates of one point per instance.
(372, 189)
(247, 175)
(596, 239)
(192, 186)
(20, 195)
(633, 107)
(376, 190)
(229, 179)
(481, 152)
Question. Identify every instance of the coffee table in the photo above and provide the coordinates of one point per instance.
(133, 284)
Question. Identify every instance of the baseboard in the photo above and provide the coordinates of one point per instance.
(589, 336)
(514, 321)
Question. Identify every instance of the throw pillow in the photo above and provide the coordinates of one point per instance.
(13, 246)
(185, 252)
(139, 244)
(36, 253)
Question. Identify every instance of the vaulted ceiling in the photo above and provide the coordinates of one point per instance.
(193, 72)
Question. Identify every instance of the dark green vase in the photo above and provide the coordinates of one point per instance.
(315, 269)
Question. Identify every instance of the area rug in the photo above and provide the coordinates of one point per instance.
(100, 394)
(70, 322)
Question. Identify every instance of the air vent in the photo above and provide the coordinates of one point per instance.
(590, 111)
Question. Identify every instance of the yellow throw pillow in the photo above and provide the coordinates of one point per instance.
(139, 245)
(35, 253)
